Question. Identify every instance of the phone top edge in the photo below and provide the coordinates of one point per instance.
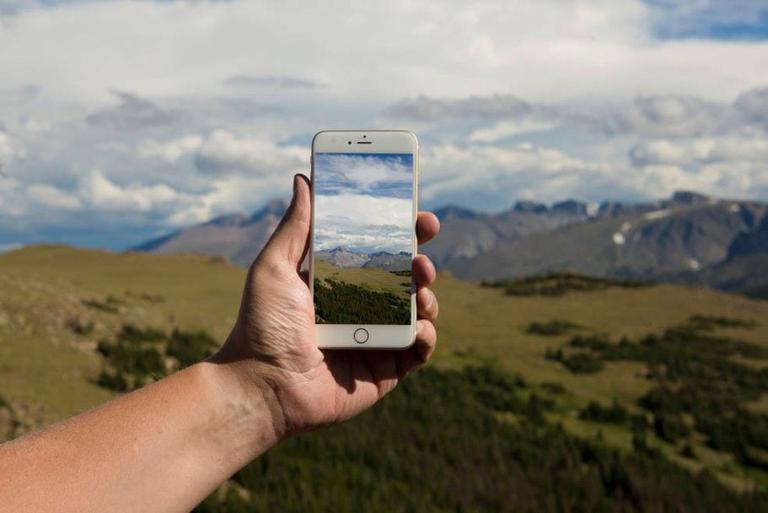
(357, 141)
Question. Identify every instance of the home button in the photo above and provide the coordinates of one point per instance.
(361, 335)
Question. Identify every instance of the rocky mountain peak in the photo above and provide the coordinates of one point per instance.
(454, 212)
(530, 207)
(570, 207)
(690, 198)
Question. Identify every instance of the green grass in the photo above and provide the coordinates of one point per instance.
(46, 364)
(376, 280)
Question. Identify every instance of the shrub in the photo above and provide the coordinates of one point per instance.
(190, 347)
(553, 388)
(613, 414)
(550, 328)
(670, 427)
(138, 355)
(474, 461)
(708, 322)
(81, 328)
(133, 334)
(593, 342)
(557, 284)
(113, 381)
(344, 303)
(583, 363)
(110, 305)
(695, 374)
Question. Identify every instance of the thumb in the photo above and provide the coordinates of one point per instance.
(290, 240)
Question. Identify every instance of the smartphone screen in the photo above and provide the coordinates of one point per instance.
(363, 237)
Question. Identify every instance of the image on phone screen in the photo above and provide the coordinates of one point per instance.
(363, 238)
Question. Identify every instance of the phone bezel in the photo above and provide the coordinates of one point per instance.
(381, 336)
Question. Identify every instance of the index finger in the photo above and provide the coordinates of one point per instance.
(427, 226)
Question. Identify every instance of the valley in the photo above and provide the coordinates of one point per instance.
(59, 303)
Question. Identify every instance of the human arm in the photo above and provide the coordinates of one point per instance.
(167, 446)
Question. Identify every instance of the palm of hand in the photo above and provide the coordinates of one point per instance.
(274, 336)
(314, 387)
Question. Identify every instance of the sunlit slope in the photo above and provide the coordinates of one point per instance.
(44, 286)
(480, 322)
(372, 278)
(50, 296)
(49, 369)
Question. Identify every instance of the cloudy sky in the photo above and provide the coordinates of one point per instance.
(363, 202)
(121, 120)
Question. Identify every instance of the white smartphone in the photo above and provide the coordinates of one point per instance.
(364, 208)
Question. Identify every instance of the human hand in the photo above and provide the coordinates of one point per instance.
(272, 348)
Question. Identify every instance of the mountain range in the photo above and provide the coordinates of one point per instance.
(688, 238)
(239, 237)
(347, 258)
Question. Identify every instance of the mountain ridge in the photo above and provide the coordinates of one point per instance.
(343, 257)
(688, 237)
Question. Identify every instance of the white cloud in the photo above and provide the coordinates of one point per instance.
(424, 108)
(599, 48)
(363, 222)
(223, 151)
(231, 194)
(11, 198)
(356, 173)
(506, 129)
(670, 115)
(133, 112)
(701, 149)
(271, 81)
(753, 106)
(224, 98)
(52, 198)
(170, 150)
(99, 192)
(491, 177)
(10, 150)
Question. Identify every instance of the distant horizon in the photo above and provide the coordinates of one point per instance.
(350, 250)
(156, 234)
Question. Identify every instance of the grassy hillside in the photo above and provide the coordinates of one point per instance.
(374, 279)
(57, 304)
(361, 295)
(48, 369)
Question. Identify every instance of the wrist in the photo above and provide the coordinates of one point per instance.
(244, 409)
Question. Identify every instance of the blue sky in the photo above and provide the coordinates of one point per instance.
(363, 202)
(387, 175)
(123, 120)
(735, 20)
